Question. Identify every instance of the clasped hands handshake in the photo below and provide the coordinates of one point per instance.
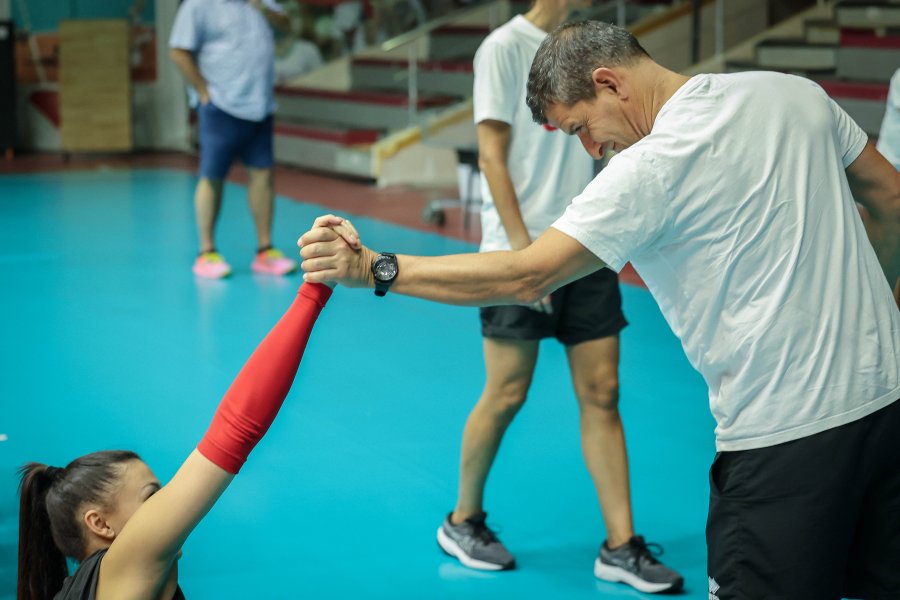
(332, 253)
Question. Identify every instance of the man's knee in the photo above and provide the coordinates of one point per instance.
(208, 189)
(599, 393)
(504, 399)
(260, 173)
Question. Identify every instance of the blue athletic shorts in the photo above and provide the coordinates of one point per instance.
(224, 137)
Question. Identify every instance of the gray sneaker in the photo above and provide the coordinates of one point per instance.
(635, 564)
(474, 544)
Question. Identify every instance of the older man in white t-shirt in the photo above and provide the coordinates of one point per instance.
(733, 196)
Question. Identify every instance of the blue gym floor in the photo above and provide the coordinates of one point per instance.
(108, 341)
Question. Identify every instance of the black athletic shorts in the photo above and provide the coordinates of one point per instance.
(813, 519)
(587, 309)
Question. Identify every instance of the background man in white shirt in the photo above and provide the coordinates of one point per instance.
(529, 174)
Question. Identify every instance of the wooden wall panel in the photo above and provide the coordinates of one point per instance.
(95, 86)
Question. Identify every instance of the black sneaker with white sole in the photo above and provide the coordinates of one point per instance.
(635, 564)
(474, 544)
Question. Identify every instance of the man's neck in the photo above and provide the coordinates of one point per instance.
(661, 84)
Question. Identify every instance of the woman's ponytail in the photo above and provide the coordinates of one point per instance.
(42, 566)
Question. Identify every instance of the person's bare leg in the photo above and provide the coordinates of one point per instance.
(595, 374)
(509, 365)
(207, 202)
(261, 193)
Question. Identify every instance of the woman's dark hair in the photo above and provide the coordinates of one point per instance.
(50, 526)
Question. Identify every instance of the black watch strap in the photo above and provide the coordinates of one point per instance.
(383, 285)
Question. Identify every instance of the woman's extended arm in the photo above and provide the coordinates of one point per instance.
(143, 554)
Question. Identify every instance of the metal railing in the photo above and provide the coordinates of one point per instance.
(696, 8)
(410, 39)
(608, 10)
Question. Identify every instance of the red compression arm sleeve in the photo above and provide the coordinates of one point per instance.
(253, 400)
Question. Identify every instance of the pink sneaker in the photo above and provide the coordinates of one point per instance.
(272, 262)
(211, 265)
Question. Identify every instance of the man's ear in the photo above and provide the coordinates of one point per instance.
(606, 79)
(97, 524)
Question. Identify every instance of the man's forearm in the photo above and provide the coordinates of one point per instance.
(479, 279)
(875, 184)
(185, 62)
(885, 239)
(494, 139)
(506, 203)
(494, 278)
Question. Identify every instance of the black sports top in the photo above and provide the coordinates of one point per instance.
(83, 584)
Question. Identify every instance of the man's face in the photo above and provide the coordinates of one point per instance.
(600, 123)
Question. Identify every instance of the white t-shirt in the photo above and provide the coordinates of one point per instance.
(736, 212)
(547, 167)
(234, 48)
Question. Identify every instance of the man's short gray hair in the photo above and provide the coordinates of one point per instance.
(561, 71)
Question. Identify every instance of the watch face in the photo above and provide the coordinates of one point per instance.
(385, 269)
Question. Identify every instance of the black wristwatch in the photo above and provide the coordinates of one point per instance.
(385, 270)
